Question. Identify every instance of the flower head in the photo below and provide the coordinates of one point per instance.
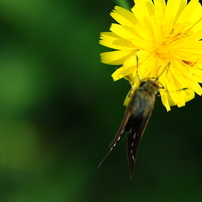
(166, 39)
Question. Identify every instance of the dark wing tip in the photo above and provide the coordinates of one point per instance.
(104, 159)
(115, 141)
(131, 172)
(110, 150)
(134, 138)
(131, 164)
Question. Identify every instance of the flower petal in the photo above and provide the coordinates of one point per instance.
(114, 57)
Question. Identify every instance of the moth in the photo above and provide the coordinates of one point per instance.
(135, 120)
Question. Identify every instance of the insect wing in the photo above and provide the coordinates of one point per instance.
(137, 130)
(120, 132)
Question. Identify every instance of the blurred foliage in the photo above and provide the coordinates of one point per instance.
(59, 110)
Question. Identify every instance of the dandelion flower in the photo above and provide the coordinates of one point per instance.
(158, 34)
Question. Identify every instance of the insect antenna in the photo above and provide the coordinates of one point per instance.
(166, 67)
(137, 69)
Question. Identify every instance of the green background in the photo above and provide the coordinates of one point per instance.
(60, 109)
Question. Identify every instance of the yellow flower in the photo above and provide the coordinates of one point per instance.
(166, 39)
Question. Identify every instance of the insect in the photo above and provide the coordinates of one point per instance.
(135, 120)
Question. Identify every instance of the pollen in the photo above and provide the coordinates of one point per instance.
(163, 51)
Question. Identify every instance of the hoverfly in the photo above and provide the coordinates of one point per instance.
(135, 120)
